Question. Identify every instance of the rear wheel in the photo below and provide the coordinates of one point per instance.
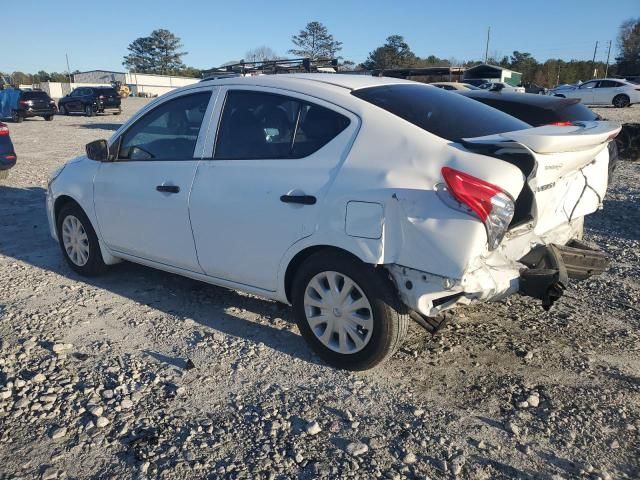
(347, 311)
(78, 241)
(48, 118)
(621, 101)
(88, 111)
(16, 117)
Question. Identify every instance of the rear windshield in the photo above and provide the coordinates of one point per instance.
(35, 96)
(537, 115)
(106, 91)
(448, 115)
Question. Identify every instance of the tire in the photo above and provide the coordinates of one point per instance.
(88, 111)
(62, 110)
(16, 117)
(48, 118)
(382, 323)
(621, 101)
(70, 216)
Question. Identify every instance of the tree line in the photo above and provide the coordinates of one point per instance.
(162, 51)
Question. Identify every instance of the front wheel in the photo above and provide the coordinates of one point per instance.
(347, 311)
(78, 241)
(621, 101)
(62, 110)
(48, 118)
(88, 111)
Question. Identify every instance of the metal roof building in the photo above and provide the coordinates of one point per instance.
(493, 73)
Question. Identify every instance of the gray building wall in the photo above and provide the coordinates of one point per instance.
(99, 76)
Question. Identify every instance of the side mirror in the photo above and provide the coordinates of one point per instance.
(98, 150)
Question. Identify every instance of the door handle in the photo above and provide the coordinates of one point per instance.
(301, 199)
(168, 188)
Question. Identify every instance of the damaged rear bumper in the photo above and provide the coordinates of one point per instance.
(542, 273)
(551, 266)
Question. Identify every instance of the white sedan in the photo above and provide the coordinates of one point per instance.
(606, 91)
(361, 201)
(501, 87)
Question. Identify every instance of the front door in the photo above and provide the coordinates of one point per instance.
(584, 92)
(142, 196)
(275, 157)
(75, 100)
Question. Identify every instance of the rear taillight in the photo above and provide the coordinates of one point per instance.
(4, 130)
(24, 102)
(10, 157)
(561, 124)
(101, 97)
(489, 202)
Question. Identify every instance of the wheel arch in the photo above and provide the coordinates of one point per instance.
(60, 202)
(299, 258)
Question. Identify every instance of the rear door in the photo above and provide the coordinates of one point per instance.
(276, 154)
(108, 97)
(142, 197)
(605, 91)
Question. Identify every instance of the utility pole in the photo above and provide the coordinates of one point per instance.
(68, 69)
(558, 77)
(593, 62)
(606, 70)
(486, 50)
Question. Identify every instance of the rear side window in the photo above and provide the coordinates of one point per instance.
(168, 132)
(35, 96)
(609, 84)
(448, 115)
(259, 125)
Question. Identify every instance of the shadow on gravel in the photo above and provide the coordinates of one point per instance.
(24, 236)
(618, 218)
(508, 470)
(98, 126)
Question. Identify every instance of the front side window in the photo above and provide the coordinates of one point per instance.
(168, 132)
(588, 85)
(259, 125)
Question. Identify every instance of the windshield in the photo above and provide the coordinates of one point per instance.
(448, 115)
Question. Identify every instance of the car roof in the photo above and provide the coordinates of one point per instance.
(345, 81)
(533, 99)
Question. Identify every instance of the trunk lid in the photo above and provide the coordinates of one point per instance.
(566, 167)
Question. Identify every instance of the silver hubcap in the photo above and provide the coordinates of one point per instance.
(75, 240)
(338, 312)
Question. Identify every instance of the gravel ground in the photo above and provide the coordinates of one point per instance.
(144, 374)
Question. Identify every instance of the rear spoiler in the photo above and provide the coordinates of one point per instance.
(555, 139)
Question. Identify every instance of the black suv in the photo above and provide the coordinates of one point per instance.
(34, 103)
(90, 100)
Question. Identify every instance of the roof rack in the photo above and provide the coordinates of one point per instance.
(271, 67)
